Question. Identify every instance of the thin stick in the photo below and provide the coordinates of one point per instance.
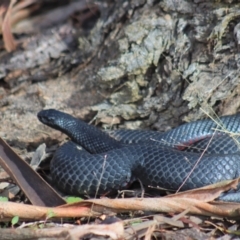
(195, 165)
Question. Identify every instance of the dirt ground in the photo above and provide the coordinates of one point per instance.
(118, 64)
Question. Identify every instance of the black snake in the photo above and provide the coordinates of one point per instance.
(107, 163)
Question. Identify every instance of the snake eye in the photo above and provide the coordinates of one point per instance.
(42, 119)
(46, 118)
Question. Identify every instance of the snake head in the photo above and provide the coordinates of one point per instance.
(48, 116)
(54, 118)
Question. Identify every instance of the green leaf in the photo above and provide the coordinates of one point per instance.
(73, 199)
(15, 220)
(50, 214)
(3, 199)
(136, 222)
(41, 226)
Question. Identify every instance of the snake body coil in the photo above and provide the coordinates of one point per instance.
(104, 164)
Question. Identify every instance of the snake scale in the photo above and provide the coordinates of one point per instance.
(97, 162)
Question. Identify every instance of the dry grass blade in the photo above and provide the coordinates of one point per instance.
(150, 230)
(23, 4)
(169, 221)
(3, 9)
(208, 193)
(221, 127)
(8, 38)
(139, 230)
(195, 165)
(11, 14)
